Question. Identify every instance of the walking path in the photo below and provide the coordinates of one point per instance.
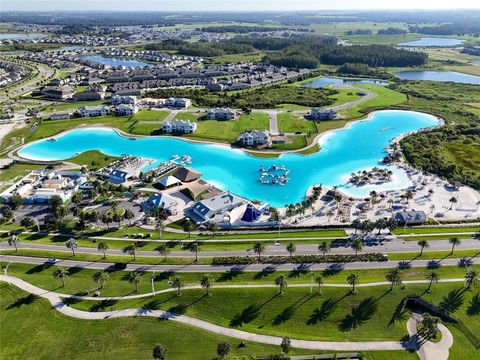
(236, 286)
(55, 299)
(430, 350)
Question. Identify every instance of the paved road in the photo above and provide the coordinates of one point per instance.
(55, 299)
(194, 268)
(273, 122)
(301, 249)
(369, 96)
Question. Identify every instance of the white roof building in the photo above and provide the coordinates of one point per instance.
(219, 205)
(126, 109)
(255, 137)
(220, 114)
(179, 126)
(99, 110)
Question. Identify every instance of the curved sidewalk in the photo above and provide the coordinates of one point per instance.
(57, 303)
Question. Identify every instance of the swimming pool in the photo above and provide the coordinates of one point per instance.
(357, 147)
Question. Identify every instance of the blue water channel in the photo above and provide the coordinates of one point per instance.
(433, 41)
(114, 62)
(357, 147)
(326, 81)
(439, 76)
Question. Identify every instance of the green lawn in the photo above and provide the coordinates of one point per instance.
(150, 115)
(80, 280)
(296, 312)
(16, 171)
(61, 337)
(93, 160)
(435, 230)
(290, 122)
(385, 98)
(33, 330)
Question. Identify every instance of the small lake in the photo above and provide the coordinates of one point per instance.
(326, 81)
(428, 41)
(117, 61)
(452, 76)
(21, 36)
(357, 147)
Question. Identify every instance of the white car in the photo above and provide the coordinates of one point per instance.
(51, 261)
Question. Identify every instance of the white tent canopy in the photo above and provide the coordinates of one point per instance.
(168, 181)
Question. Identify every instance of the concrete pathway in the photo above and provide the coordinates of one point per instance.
(55, 299)
(273, 122)
(429, 350)
(239, 286)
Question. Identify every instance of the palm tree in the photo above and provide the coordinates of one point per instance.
(471, 278)
(195, 247)
(106, 219)
(432, 277)
(324, 247)
(14, 240)
(134, 278)
(453, 200)
(454, 241)
(61, 274)
(330, 213)
(408, 195)
(176, 283)
(259, 248)
(72, 245)
(131, 250)
(281, 282)
(319, 281)
(206, 282)
(356, 223)
(160, 227)
(103, 246)
(352, 279)
(423, 244)
(429, 325)
(291, 248)
(357, 245)
(101, 277)
(213, 228)
(129, 215)
(163, 250)
(395, 277)
(188, 226)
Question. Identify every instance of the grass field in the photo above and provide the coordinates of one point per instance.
(80, 280)
(290, 122)
(61, 337)
(150, 115)
(297, 313)
(230, 130)
(435, 230)
(385, 98)
(35, 331)
(93, 160)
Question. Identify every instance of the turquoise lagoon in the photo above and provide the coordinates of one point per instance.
(359, 146)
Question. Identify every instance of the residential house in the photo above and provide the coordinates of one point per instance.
(179, 126)
(220, 114)
(90, 111)
(58, 93)
(127, 99)
(322, 114)
(255, 137)
(126, 109)
(61, 116)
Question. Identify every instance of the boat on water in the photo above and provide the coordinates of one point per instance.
(52, 139)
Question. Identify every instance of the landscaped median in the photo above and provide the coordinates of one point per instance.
(299, 259)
